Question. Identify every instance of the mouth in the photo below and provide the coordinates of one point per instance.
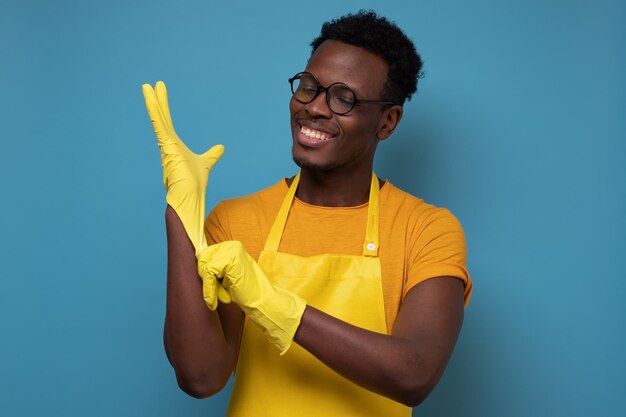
(315, 134)
(311, 138)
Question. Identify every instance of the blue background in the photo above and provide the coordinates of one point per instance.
(519, 128)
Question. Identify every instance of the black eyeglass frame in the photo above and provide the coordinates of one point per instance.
(321, 88)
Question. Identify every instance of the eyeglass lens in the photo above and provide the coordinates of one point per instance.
(340, 97)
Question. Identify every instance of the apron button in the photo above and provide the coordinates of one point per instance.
(371, 246)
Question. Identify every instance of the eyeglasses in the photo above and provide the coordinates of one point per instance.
(339, 97)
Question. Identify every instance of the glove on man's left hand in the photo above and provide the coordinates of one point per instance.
(276, 311)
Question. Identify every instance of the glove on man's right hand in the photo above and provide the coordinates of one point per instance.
(185, 173)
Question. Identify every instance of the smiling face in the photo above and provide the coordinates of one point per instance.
(326, 141)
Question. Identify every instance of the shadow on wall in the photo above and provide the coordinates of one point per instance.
(429, 158)
(407, 159)
(426, 157)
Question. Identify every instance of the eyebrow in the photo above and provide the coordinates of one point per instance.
(356, 90)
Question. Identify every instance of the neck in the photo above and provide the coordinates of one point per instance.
(334, 189)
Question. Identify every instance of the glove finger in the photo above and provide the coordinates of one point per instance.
(209, 292)
(161, 95)
(213, 155)
(222, 294)
(163, 133)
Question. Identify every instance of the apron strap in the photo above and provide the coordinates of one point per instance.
(276, 232)
(370, 247)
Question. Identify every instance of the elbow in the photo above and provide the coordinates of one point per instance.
(412, 398)
(201, 387)
(413, 390)
(201, 383)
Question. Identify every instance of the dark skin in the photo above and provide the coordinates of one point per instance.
(405, 366)
(202, 345)
(338, 173)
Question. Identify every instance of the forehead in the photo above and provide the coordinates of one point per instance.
(335, 61)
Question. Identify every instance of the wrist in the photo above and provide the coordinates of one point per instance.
(279, 316)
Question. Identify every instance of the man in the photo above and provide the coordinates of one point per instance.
(334, 259)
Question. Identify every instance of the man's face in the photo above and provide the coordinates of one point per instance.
(345, 141)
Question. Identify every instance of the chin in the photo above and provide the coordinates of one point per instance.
(308, 164)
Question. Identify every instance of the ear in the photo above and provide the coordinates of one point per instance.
(388, 121)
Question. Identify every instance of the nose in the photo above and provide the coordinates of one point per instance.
(319, 106)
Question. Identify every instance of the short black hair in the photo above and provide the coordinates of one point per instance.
(376, 34)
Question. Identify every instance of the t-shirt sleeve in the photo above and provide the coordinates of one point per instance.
(437, 249)
(216, 226)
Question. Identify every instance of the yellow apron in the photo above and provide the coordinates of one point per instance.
(347, 287)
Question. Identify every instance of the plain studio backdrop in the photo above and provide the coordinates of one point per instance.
(518, 128)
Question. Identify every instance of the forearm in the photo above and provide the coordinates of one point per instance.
(404, 366)
(384, 364)
(195, 341)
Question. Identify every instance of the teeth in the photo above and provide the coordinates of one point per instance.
(314, 134)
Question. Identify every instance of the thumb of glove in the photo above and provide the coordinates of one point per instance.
(212, 289)
(213, 155)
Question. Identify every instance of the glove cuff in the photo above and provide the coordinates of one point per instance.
(191, 214)
(279, 317)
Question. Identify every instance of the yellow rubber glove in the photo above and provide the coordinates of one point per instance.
(185, 174)
(276, 311)
(212, 289)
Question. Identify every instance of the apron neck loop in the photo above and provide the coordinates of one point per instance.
(370, 246)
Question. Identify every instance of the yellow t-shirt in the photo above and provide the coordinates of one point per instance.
(417, 241)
